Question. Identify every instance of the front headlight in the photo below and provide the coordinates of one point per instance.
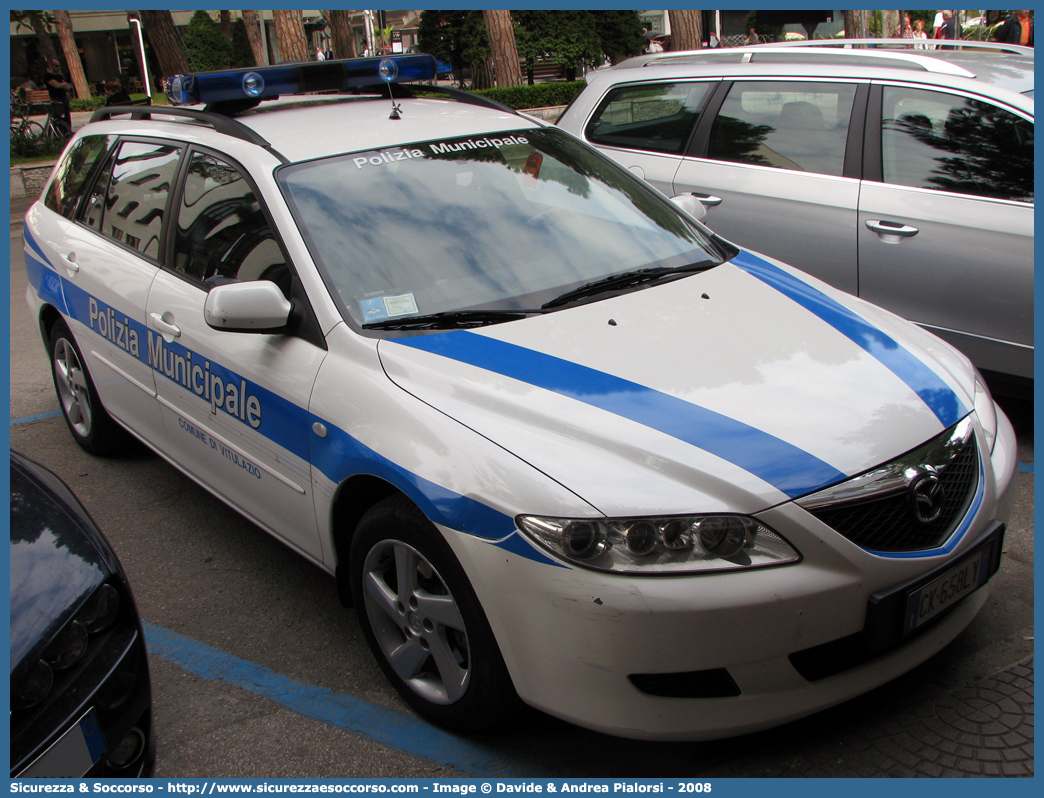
(669, 545)
(986, 410)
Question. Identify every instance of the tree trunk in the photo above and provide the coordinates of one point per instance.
(252, 22)
(226, 23)
(72, 55)
(290, 35)
(504, 52)
(165, 42)
(685, 30)
(43, 38)
(854, 24)
(340, 23)
(481, 75)
(890, 28)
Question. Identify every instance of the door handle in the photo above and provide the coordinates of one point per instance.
(707, 199)
(70, 262)
(164, 327)
(891, 232)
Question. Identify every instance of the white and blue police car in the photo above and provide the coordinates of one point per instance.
(555, 439)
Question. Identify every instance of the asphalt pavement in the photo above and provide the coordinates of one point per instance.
(257, 671)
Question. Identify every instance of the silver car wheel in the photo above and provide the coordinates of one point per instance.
(72, 387)
(416, 622)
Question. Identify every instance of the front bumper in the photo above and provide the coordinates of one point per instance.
(718, 647)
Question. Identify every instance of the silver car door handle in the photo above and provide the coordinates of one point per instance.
(707, 199)
(70, 262)
(891, 232)
(164, 327)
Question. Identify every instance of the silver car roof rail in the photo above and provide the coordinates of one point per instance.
(892, 44)
(901, 53)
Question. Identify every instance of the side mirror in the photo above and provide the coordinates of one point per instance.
(256, 306)
(692, 206)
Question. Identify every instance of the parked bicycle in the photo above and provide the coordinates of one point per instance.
(22, 126)
(55, 129)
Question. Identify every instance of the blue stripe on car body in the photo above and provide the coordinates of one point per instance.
(935, 393)
(791, 470)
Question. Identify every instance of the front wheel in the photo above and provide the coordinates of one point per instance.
(423, 621)
(89, 423)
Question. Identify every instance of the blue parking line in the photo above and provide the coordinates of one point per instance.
(1025, 468)
(37, 417)
(388, 727)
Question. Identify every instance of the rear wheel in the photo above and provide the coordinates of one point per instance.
(89, 423)
(424, 622)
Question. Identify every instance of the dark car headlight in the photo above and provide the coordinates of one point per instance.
(668, 545)
(67, 648)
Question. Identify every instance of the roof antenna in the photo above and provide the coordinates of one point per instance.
(389, 71)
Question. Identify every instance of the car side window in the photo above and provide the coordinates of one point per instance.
(786, 125)
(657, 117)
(72, 173)
(130, 197)
(951, 143)
(223, 234)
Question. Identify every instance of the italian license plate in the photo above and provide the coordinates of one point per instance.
(73, 754)
(940, 594)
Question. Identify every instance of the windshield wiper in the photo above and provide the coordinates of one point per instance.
(449, 320)
(626, 280)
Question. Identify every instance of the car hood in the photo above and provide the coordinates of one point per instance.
(57, 558)
(730, 390)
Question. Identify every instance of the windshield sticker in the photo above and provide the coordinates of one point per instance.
(476, 144)
(383, 307)
(381, 157)
(386, 156)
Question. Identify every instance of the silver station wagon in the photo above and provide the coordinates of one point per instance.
(904, 176)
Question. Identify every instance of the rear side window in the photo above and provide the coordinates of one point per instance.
(791, 125)
(70, 177)
(656, 118)
(222, 234)
(951, 143)
(130, 198)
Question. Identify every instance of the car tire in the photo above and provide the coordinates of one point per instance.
(423, 621)
(91, 426)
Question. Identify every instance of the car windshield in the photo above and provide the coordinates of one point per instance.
(501, 222)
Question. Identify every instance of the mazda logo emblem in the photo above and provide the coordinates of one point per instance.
(927, 497)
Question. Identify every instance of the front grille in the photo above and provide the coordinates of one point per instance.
(877, 511)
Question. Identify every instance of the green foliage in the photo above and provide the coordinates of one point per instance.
(205, 45)
(25, 150)
(453, 37)
(86, 103)
(566, 37)
(620, 33)
(540, 96)
(242, 55)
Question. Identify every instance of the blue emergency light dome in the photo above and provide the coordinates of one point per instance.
(266, 83)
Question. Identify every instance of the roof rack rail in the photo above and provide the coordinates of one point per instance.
(217, 121)
(890, 44)
(414, 89)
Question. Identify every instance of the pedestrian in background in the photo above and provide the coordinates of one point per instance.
(1017, 29)
(58, 90)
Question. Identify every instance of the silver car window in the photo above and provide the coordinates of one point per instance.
(656, 118)
(787, 125)
(952, 143)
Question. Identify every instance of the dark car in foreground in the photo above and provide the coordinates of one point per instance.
(81, 697)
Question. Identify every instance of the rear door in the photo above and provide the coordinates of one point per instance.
(946, 220)
(772, 160)
(105, 248)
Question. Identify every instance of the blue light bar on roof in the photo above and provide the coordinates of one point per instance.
(266, 83)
